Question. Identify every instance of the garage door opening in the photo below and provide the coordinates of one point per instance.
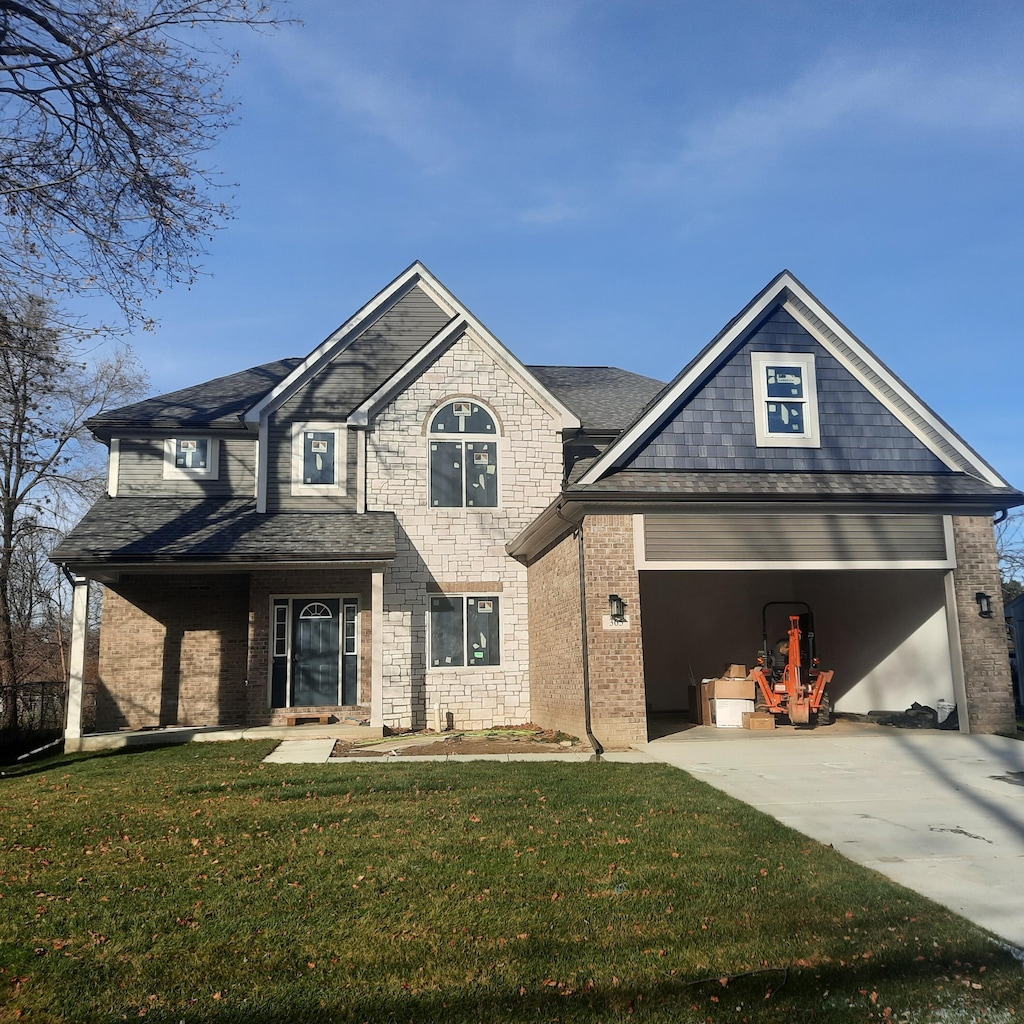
(883, 632)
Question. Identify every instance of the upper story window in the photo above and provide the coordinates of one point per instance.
(318, 459)
(785, 400)
(190, 458)
(463, 470)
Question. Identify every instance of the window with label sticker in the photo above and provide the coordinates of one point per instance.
(464, 470)
(190, 457)
(318, 466)
(785, 399)
(464, 631)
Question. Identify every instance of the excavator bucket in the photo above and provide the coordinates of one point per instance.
(799, 710)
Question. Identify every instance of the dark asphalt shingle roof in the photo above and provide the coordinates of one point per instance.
(204, 529)
(955, 487)
(605, 398)
(217, 402)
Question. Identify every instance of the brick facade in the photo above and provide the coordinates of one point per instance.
(982, 641)
(556, 640)
(617, 696)
(173, 651)
(455, 549)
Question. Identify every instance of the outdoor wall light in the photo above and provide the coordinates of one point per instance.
(984, 604)
(616, 608)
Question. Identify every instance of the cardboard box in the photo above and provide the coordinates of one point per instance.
(758, 721)
(735, 672)
(737, 689)
(728, 711)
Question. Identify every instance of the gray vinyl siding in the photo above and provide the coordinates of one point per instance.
(354, 374)
(794, 538)
(714, 428)
(360, 368)
(141, 470)
(279, 476)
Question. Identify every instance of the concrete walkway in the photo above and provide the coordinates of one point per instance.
(938, 812)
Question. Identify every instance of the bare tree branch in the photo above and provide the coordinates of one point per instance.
(48, 389)
(107, 110)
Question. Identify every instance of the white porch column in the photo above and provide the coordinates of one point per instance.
(377, 649)
(76, 661)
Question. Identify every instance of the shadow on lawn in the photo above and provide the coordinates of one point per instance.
(827, 993)
(58, 762)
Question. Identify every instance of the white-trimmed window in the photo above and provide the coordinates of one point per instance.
(785, 400)
(463, 456)
(318, 459)
(190, 458)
(465, 630)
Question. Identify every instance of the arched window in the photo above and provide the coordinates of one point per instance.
(463, 456)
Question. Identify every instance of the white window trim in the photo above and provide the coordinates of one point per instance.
(211, 470)
(499, 454)
(811, 436)
(468, 663)
(338, 488)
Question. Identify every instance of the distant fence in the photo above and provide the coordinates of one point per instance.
(40, 707)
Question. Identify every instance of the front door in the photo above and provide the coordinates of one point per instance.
(315, 650)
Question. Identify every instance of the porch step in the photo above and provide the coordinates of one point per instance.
(311, 717)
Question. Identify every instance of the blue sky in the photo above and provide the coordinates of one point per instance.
(609, 182)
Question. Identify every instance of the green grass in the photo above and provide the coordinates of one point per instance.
(194, 883)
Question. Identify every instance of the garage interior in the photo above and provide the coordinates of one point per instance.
(883, 631)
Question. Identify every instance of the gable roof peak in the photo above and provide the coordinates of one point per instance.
(828, 331)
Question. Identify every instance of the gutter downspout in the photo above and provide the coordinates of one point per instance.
(594, 741)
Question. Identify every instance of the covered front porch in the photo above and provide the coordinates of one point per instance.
(217, 615)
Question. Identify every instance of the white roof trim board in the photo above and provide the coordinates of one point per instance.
(890, 391)
(372, 311)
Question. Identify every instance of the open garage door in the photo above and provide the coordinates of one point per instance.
(876, 585)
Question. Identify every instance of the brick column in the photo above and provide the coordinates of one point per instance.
(617, 692)
(982, 641)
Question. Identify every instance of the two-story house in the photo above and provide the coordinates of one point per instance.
(409, 522)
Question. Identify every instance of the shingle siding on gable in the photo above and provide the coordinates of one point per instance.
(141, 469)
(715, 429)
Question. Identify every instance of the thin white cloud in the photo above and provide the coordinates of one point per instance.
(733, 147)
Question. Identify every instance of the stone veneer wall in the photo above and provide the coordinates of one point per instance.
(312, 582)
(173, 651)
(982, 641)
(451, 548)
(618, 706)
(556, 640)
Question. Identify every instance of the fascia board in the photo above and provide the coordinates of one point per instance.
(635, 435)
(910, 401)
(336, 341)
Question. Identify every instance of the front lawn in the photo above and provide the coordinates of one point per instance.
(194, 883)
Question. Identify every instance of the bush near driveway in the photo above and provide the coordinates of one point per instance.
(194, 883)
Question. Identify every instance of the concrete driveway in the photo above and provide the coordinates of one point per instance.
(938, 812)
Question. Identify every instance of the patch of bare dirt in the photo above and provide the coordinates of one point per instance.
(496, 741)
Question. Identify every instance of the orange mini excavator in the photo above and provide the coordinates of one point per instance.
(788, 673)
